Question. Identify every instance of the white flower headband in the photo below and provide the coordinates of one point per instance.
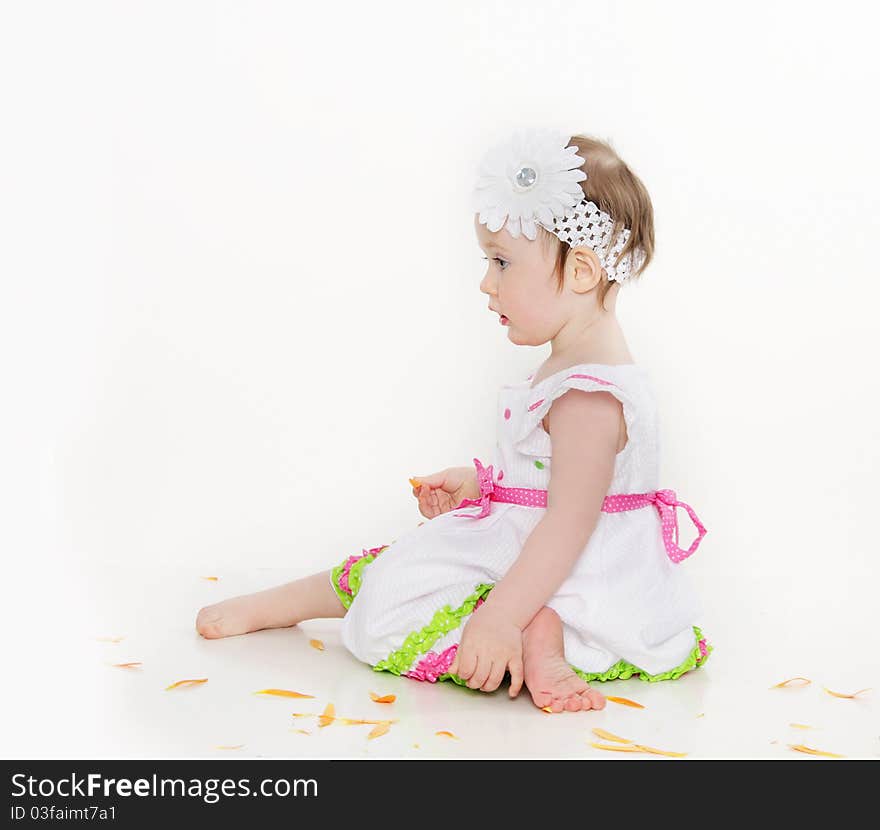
(532, 179)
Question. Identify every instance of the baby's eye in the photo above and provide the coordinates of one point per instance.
(499, 260)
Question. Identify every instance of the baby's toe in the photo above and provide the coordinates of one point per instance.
(586, 702)
(557, 704)
(596, 698)
(573, 703)
(208, 621)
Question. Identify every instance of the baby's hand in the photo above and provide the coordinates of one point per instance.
(490, 645)
(444, 491)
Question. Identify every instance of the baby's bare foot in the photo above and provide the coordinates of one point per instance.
(240, 615)
(549, 678)
(279, 607)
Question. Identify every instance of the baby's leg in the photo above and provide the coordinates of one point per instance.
(285, 605)
(549, 678)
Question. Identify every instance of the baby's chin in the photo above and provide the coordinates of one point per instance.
(514, 335)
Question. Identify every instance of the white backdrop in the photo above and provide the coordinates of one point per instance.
(240, 299)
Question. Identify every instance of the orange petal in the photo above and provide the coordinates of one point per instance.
(839, 694)
(303, 714)
(379, 730)
(186, 682)
(601, 733)
(229, 747)
(212, 578)
(546, 709)
(316, 644)
(800, 726)
(126, 665)
(661, 751)
(790, 680)
(109, 639)
(384, 699)
(328, 716)
(624, 701)
(448, 735)
(281, 693)
(811, 751)
(415, 482)
(616, 747)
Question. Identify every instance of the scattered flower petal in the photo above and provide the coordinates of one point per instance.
(302, 731)
(800, 726)
(328, 716)
(547, 709)
(624, 701)
(303, 714)
(701, 715)
(840, 694)
(448, 735)
(316, 644)
(379, 729)
(791, 680)
(608, 736)
(384, 699)
(615, 747)
(126, 665)
(638, 748)
(186, 683)
(281, 693)
(211, 578)
(661, 751)
(810, 751)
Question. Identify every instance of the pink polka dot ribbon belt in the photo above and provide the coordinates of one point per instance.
(664, 500)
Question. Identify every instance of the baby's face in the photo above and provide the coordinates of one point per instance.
(521, 285)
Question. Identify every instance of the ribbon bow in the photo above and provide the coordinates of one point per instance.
(487, 487)
(666, 501)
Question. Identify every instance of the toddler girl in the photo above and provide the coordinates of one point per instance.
(558, 563)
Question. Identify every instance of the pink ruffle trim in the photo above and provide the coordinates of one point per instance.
(432, 665)
(346, 568)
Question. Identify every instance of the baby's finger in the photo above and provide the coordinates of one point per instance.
(481, 672)
(453, 669)
(516, 676)
(425, 502)
(495, 677)
(467, 663)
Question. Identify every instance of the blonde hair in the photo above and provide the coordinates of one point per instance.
(620, 193)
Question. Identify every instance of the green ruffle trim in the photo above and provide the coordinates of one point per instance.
(446, 619)
(622, 670)
(420, 642)
(354, 577)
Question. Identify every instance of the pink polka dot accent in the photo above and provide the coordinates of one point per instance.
(507, 414)
(500, 474)
(536, 404)
(664, 500)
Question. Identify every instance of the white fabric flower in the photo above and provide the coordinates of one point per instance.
(528, 180)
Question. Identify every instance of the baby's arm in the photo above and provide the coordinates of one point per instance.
(585, 430)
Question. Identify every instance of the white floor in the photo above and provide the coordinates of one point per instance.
(68, 701)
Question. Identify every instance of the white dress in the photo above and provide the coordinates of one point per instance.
(626, 608)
